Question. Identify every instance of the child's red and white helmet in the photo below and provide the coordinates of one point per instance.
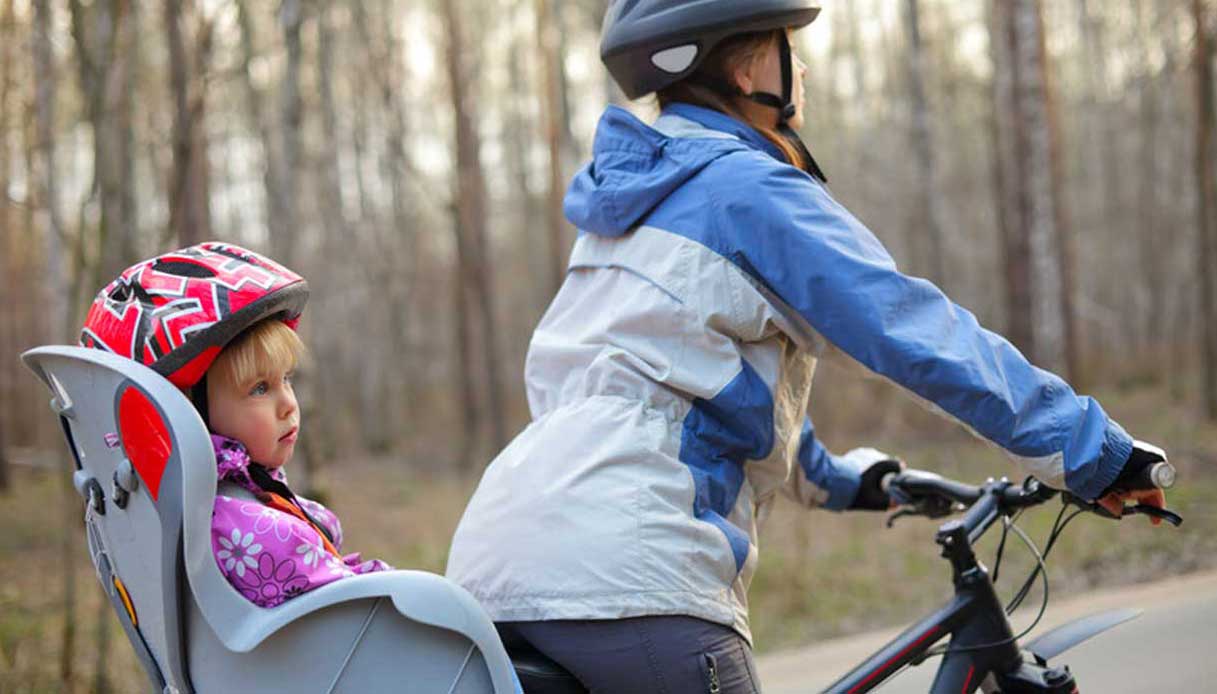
(176, 312)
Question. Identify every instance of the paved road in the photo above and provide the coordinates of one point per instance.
(1172, 647)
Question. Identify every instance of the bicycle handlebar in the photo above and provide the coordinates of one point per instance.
(935, 496)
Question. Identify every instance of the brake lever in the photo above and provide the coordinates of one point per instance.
(930, 507)
(891, 520)
(1129, 510)
(1154, 512)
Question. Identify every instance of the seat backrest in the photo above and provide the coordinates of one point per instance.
(115, 415)
(146, 467)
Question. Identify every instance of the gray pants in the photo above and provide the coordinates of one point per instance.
(642, 655)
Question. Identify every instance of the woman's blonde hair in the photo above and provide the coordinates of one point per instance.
(719, 67)
(265, 347)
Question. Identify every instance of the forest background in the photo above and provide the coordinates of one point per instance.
(1050, 163)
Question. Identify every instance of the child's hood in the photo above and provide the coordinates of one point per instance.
(232, 464)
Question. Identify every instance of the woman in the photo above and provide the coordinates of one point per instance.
(669, 379)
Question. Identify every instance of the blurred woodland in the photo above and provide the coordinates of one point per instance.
(1051, 164)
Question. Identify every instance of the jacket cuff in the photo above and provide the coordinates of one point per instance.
(847, 476)
(1117, 447)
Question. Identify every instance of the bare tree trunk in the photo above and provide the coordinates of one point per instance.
(335, 228)
(1206, 188)
(45, 72)
(104, 34)
(5, 481)
(475, 271)
(551, 105)
(471, 414)
(54, 234)
(255, 110)
(858, 107)
(8, 317)
(1037, 251)
(189, 195)
(1016, 260)
(283, 244)
(1061, 261)
(1150, 234)
(1103, 140)
(928, 213)
(129, 43)
(399, 263)
(386, 399)
(519, 134)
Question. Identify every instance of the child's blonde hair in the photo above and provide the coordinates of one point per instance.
(265, 347)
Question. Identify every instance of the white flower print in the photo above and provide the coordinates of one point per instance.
(268, 519)
(336, 567)
(239, 552)
(311, 553)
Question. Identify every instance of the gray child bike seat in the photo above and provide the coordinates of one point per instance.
(144, 464)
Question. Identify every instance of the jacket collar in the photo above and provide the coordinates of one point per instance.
(232, 464)
(722, 123)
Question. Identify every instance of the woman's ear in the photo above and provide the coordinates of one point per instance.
(742, 77)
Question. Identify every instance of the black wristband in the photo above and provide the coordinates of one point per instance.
(871, 496)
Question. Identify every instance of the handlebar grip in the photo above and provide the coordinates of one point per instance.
(885, 482)
(1155, 476)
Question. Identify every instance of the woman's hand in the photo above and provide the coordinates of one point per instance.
(871, 495)
(1129, 487)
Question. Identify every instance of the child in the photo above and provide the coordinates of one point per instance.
(277, 545)
(219, 322)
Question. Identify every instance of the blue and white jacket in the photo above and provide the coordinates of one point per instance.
(669, 381)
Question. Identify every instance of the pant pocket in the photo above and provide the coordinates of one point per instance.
(727, 671)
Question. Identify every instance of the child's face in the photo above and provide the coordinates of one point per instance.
(261, 414)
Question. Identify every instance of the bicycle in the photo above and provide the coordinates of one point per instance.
(983, 652)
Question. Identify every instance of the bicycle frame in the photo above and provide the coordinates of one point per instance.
(981, 638)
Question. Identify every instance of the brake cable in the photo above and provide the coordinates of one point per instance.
(1058, 528)
(1007, 521)
(1041, 568)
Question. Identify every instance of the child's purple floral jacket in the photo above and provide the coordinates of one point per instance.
(270, 556)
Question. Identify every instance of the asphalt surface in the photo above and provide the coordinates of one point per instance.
(1172, 647)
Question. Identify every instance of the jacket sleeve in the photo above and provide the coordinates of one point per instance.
(831, 272)
(824, 479)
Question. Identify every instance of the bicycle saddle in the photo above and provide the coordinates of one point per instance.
(540, 675)
(537, 672)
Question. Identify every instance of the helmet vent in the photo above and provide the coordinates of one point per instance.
(183, 269)
(120, 294)
(675, 60)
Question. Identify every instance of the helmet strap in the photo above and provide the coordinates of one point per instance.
(785, 103)
(198, 396)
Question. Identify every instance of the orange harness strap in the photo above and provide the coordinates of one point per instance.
(279, 503)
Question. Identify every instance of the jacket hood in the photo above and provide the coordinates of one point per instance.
(635, 166)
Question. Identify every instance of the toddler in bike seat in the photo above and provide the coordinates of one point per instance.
(219, 322)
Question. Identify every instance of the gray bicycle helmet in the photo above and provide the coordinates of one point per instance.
(650, 44)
